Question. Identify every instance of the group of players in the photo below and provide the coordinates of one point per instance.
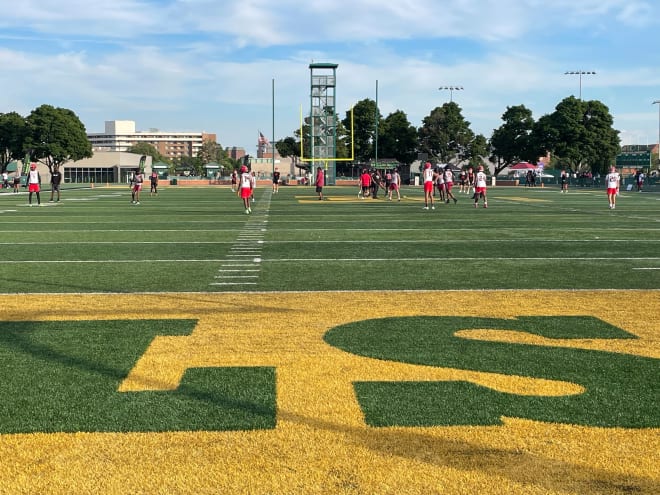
(438, 178)
(370, 182)
(442, 179)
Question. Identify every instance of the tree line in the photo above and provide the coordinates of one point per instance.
(578, 135)
(54, 136)
(50, 135)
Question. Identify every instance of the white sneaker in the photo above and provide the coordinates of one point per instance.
(426, 207)
(433, 207)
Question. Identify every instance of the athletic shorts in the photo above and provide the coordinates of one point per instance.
(428, 186)
(33, 188)
(480, 190)
(246, 192)
(611, 190)
(319, 189)
(449, 185)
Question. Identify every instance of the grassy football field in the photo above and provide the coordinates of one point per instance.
(344, 346)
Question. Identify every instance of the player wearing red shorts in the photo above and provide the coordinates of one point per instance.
(428, 175)
(34, 183)
(612, 180)
(245, 188)
(480, 186)
(449, 183)
(395, 185)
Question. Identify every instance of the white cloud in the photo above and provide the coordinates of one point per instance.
(185, 64)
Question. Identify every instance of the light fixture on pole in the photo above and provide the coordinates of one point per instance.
(580, 73)
(451, 91)
(657, 102)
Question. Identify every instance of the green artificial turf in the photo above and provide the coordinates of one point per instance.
(176, 242)
(620, 390)
(63, 377)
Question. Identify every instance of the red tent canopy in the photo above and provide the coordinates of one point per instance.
(523, 166)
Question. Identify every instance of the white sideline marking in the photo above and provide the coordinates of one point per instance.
(233, 283)
(316, 260)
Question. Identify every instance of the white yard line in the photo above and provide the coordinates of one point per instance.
(248, 244)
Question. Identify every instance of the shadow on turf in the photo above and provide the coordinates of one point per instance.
(516, 465)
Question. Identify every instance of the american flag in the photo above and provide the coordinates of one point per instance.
(263, 140)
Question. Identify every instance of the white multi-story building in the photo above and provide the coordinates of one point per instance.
(120, 135)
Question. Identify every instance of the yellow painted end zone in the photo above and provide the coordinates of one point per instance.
(321, 444)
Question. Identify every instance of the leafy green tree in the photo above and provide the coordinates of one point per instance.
(445, 133)
(365, 114)
(288, 147)
(55, 136)
(13, 132)
(513, 142)
(148, 149)
(397, 138)
(211, 151)
(477, 150)
(580, 134)
(192, 163)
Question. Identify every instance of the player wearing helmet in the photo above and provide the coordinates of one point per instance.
(245, 189)
(480, 186)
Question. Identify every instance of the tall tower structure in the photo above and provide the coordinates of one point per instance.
(323, 118)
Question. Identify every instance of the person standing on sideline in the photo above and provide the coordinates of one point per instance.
(153, 179)
(276, 180)
(34, 183)
(376, 183)
(428, 175)
(612, 180)
(462, 181)
(320, 182)
(563, 181)
(640, 180)
(395, 185)
(244, 190)
(138, 179)
(440, 183)
(470, 180)
(449, 183)
(17, 182)
(234, 180)
(480, 186)
(55, 181)
(365, 183)
(5, 180)
(253, 185)
(388, 181)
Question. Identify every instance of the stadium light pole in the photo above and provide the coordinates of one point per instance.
(580, 73)
(451, 91)
(657, 102)
(272, 144)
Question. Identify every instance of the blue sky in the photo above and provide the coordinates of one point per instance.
(209, 65)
